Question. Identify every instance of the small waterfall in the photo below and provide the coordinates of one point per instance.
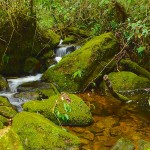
(64, 50)
(14, 83)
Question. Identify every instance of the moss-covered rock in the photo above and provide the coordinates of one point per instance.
(51, 37)
(1, 125)
(9, 140)
(4, 102)
(4, 120)
(70, 111)
(77, 31)
(3, 83)
(37, 132)
(69, 40)
(76, 70)
(7, 112)
(36, 90)
(32, 65)
(125, 80)
(129, 65)
(123, 144)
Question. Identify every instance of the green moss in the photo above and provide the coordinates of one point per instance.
(134, 67)
(4, 102)
(69, 40)
(3, 83)
(9, 140)
(1, 125)
(49, 106)
(52, 37)
(127, 81)
(4, 120)
(90, 60)
(50, 91)
(30, 65)
(7, 112)
(37, 132)
(77, 31)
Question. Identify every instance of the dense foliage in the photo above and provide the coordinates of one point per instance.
(129, 19)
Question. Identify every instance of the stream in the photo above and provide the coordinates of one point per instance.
(112, 119)
(14, 83)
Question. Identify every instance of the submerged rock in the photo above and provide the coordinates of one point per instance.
(3, 83)
(9, 140)
(65, 109)
(123, 144)
(76, 70)
(37, 132)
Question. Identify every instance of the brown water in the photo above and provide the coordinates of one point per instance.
(112, 120)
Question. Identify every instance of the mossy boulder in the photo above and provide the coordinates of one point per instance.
(7, 112)
(125, 80)
(51, 37)
(32, 65)
(4, 102)
(36, 90)
(62, 111)
(37, 132)
(1, 125)
(4, 120)
(76, 70)
(128, 65)
(123, 144)
(3, 83)
(69, 40)
(77, 31)
(9, 140)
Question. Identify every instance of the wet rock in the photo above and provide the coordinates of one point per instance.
(27, 96)
(143, 145)
(44, 90)
(9, 140)
(64, 109)
(37, 132)
(76, 70)
(87, 135)
(123, 144)
(3, 83)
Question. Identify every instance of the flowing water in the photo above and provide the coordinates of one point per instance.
(15, 83)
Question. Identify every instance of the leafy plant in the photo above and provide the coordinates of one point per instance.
(78, 73)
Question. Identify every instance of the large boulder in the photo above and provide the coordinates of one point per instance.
(3, 83)
(62, 109)
(37, 132)
(125, 80)
(76, 70)
(9, 140)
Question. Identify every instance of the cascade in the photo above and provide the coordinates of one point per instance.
(14, 83)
